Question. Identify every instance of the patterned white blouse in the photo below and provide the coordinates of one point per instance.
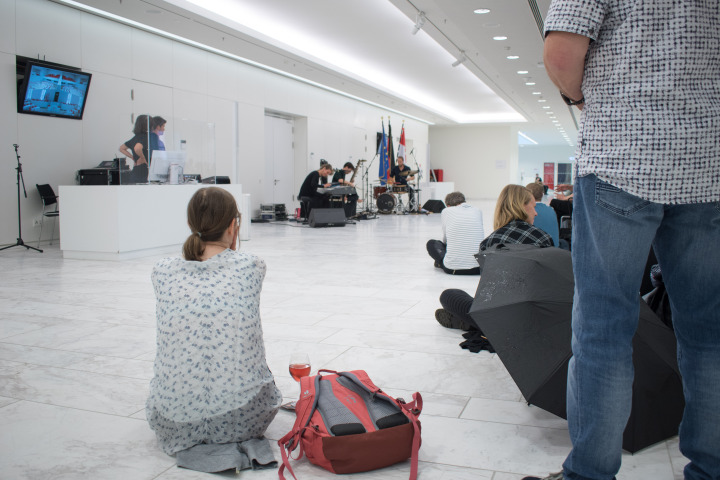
(211, 381)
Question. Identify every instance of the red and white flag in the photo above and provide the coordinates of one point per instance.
(401, 147)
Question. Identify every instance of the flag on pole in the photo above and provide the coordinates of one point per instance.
(383, 152)
(391, 150)
(401, 146)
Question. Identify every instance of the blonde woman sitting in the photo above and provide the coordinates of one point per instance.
(513, 223)
(212, 395)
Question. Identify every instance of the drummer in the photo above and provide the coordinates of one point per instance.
(401, 181)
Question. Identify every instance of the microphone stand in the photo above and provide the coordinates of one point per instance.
(418, 207)
(367, 212)
(20, 179)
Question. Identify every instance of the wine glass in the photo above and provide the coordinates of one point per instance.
(299, 366)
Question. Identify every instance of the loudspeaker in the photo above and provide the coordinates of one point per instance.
(93, 176)
(435, 206)
(326, 217)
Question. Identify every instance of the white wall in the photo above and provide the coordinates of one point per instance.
(481, 160)
(532, 160)
(169, 79)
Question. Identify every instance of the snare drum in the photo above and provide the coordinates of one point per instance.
(386, 203)
(377, 191)
(399, 189)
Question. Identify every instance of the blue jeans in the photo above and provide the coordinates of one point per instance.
(612, 234)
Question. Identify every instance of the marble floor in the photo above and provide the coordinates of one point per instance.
(77, 342)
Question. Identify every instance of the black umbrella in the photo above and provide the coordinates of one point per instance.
(523, 304)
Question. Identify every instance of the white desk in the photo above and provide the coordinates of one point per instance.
(117, 222)
(436, 190)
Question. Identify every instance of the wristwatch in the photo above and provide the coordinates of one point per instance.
(570, 101)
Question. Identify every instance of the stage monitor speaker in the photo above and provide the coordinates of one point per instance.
(326, 217)
(435, 206)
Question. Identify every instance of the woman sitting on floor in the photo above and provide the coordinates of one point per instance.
(212, 389)
(513, 223)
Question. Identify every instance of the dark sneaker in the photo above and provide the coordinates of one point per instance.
(552, 476)
(448, 320)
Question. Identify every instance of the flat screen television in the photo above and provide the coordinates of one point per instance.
(53, 90)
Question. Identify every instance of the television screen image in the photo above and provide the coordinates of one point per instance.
(55, 91)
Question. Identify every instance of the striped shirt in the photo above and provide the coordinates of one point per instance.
(462, 233)
(651, 121)
(517, 231)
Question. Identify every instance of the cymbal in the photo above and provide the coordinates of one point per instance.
(411, 172)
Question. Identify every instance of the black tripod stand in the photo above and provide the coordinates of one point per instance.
(20, 180)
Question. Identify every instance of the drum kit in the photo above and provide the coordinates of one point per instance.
(389, 198)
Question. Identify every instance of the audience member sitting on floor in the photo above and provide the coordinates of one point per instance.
(212, 389)
(514, 216)
(462, 227)
(546, 219)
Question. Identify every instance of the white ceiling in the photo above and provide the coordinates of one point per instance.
(366, 48)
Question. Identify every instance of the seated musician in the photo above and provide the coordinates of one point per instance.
(351, 200)
(309, 189)
(400, 175)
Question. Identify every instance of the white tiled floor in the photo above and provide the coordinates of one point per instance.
(77, 345)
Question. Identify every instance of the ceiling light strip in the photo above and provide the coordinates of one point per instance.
(247, 61)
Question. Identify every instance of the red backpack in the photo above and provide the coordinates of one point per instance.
(345, 424)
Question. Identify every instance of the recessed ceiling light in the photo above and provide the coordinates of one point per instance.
(522, 72)
(549, 113)
(537, 93)
(529, 83)
(499, 38)
(512, 57)
(482, 11)
(542, 100)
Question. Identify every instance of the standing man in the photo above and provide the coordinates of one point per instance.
(352, 200)
(399, 179)
(645, 75)
(308, 190)
(462, 228)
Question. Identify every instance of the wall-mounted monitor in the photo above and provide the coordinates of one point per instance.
(53, 90)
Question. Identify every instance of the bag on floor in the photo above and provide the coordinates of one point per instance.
(345, 424)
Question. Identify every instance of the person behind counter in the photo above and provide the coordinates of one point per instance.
(137, 149)
(157, 130)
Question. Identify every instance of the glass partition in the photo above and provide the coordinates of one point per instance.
(169, 152)
(194, 142)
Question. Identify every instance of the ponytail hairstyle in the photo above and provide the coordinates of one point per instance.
(210, 212)
(511, 205)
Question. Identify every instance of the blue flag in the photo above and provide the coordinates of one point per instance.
(383, 152)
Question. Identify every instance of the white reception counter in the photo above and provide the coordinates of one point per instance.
(128, 221)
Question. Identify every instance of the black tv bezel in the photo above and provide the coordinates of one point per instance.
(22, 87)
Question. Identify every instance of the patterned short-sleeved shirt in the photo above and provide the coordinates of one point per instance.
(651, 121)
(516, 232)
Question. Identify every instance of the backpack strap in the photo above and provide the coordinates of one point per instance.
(413, 410)
(291, 441)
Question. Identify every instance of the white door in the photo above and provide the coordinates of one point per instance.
(279, 158)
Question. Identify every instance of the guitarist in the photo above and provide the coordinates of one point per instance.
(351, 200)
